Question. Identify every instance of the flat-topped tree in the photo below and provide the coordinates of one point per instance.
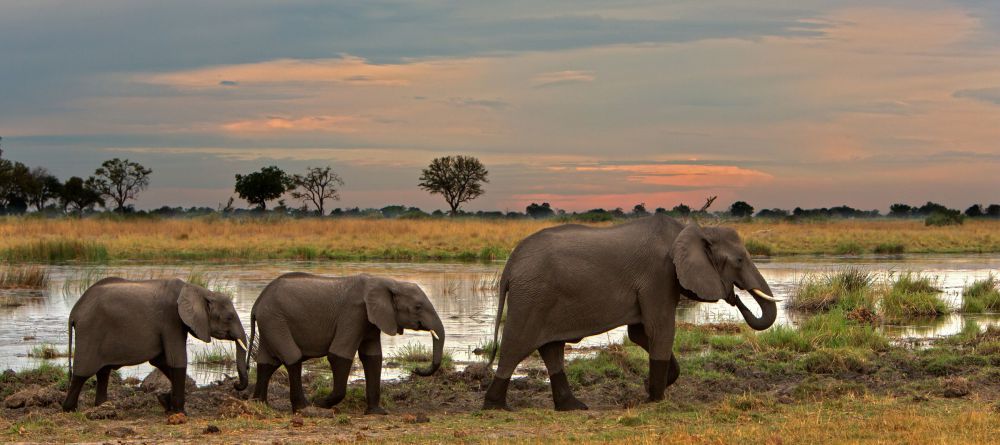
(458, 178)
(262, 186)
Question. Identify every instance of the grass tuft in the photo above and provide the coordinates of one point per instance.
(982, 296)
(848, 289)
(27, 276)
(912, 296)
(413, 355)
(889, 248)
(214, 354)
(758, 248)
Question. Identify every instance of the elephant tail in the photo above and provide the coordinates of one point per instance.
(69, 348)
(501, 297)
(252, 347)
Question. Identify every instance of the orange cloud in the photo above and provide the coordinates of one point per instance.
(686, 175)
(562, 78)
(335, 124)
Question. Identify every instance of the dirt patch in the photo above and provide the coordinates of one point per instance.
(33, 395)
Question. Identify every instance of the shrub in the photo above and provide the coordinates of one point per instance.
(945, 217)
(982, 295)
(912, 296)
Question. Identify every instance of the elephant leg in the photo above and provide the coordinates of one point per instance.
(178, 379)
(102, 385)
(496, 394)
(662, 373)
(341, 368)
(264, 373)
(73, 395)
(373, 383)
(562, 395)
(165, 399)
(295, 390)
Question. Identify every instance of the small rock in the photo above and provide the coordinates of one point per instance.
(211, 429)
(120, 432)
(177, 419)
(297, 421)
(106, 410)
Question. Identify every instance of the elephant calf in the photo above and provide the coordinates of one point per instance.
(120, 322)
(303, 316)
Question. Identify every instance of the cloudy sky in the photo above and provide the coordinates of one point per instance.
(582, 104)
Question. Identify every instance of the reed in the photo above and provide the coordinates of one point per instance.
(28, 276)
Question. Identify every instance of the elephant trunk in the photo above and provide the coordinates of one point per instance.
(437, 330)
(241, 361)
(769, 309)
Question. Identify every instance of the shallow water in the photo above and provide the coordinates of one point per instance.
(459, 293)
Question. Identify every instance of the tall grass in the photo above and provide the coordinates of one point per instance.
(214, 354)
(848, 289)
(412, 355)
(46, 351)
(23, 277)
(58, 250)
(982, 296)
(912, 296)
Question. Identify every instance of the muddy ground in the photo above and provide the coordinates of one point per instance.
(738, 379)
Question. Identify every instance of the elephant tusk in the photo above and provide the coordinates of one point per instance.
(435, 335)
(242, 345)
(767, 297)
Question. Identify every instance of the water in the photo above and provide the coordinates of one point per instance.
(457, 291)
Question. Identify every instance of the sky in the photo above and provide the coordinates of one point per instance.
(581, 104)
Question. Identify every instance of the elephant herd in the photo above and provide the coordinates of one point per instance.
(559, 285)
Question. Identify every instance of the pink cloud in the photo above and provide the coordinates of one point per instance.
(335, 124)
(686, 175)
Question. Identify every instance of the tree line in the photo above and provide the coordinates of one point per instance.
(458, 179)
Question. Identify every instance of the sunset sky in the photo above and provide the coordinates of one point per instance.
(578, 103)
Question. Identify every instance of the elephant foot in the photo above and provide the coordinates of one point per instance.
(299, 405)
(654, 399)
(377, 410)
(164, 399)
(562, 396)
(570, 404)
(496, 406)
(496, 395)
(66, 407)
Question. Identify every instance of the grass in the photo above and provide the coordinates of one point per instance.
(214, 354)
(47, 352)
(80, 282)
(848, 289)
(413, 355)
(912, 296)
(27, 276)
(249, 239)
(889, 248)
(982, 296)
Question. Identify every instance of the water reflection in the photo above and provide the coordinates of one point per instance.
(459, 292)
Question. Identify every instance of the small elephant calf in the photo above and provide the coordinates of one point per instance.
(303, 316)
(120, 323)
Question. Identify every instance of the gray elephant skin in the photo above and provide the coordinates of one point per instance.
(303, 316)
(568, 282)
(120, 322)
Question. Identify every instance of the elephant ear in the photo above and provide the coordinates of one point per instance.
(380, 306)
(695, 269)
(192, 305)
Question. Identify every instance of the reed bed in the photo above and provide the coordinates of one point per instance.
(226, 239)
(863, 295)
(29, 276)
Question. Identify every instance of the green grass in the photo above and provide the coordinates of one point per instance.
(615, 362)
(485, 347)
(57, 251)
(27, 276)
(889, 248)
(214, 354)
(848, 289)
(413, 355)
(826, 330)
(982, 296)
(47, 352)
(849, 248)
(758, 248)
(912, 296)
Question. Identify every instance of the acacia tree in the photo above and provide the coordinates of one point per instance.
(120, 180)
(262, 186)
(740, 209)
(316, 186)
(458, 178)
(79, 195)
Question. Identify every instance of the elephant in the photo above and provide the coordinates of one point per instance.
(303, 316)
(571, 281)
(121, 322)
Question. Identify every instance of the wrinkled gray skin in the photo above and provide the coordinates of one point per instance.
(568, 282)
(121, 323)
(303, 316)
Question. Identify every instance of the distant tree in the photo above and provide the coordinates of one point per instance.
(993, 211)
(900, 211)
(458, 178)
(931, 208)
(740, 209)
(681, 210)
(539, 211)
(772, 213)
(120, 180)
(393, 211)
(316, 186)
(974, 211)
(259, 187)
(639, 210)
(660, 210)
(40, 187)
(13, 178)
(78, 195)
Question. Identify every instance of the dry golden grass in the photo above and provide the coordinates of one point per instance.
(213, 238)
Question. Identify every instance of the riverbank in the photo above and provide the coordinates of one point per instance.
(835, 381)
(248, 239)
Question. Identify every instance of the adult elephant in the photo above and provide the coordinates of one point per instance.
(120, 322)
(303, 316)
(568, 282)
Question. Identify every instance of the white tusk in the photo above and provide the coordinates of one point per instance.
(242, 345)
(435, 334)
(767, 297)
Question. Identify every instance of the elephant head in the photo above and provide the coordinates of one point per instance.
(394, 305)
(211, 315)
(711, 261)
